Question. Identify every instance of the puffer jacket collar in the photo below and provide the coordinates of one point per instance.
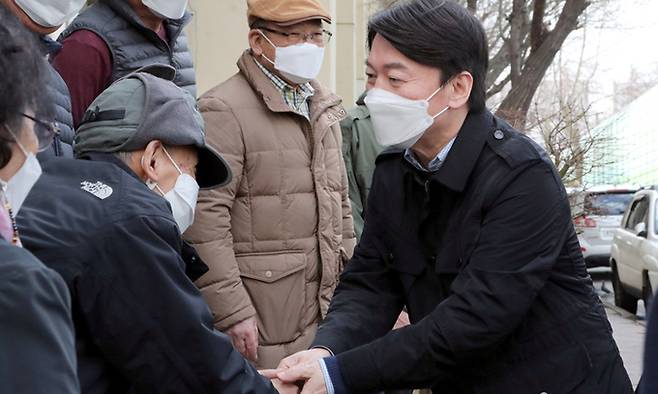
(49, 46)
(321, 103)
(174, 27)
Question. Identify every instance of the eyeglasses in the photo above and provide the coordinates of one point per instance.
(44, 130)
(322, 37)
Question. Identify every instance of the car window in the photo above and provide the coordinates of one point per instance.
(638, 213)
(628, 224)
(607, 204)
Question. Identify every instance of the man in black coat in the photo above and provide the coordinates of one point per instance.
(469, 228)
(111, 226)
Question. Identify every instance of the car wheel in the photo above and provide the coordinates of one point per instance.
(647, 292)
(622, 298)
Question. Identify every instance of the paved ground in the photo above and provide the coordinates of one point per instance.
(629, 334)
(628, 329)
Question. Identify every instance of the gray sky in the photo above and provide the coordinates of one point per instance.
(627, 38)
(633, 40)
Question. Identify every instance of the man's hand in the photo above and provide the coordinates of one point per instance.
(244, 336)
(301, 358)
(285, 388)
(300, 368)
(309, 374)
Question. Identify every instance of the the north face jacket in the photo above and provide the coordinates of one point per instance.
(141, 325)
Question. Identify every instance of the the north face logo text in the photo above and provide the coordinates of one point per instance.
(98, 189)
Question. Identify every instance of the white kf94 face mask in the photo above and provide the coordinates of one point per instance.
(299, 63)
(182, 198)
(19, 186)
(399, 122)
(167, 9)
(51, 13)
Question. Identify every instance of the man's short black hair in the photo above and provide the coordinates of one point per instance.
(22, 85)
(437, 33)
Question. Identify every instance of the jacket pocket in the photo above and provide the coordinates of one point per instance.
(276, 285)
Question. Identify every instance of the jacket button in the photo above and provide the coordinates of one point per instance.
(499, 135)
(268, 274)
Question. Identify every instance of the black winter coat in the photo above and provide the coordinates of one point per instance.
(141, 325)
(484, 256)
(37, 343)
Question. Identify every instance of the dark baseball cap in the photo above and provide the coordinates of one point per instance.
(146, 106)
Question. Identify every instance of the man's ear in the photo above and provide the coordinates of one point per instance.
(461, 86)
(148, 162)
(255, 42)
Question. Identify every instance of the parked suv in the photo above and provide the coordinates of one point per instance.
(597, 214)
(634, 259)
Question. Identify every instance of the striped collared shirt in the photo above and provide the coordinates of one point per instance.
(433, 165)
(295, 97)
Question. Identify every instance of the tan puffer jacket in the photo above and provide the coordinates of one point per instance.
(277, 236)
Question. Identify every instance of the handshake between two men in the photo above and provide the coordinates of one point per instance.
(300, 373)
(475, 241)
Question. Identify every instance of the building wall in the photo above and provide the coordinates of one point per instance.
(218, 36)
(630, 151)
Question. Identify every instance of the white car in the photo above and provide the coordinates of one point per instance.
(597, 213)
(634, 257)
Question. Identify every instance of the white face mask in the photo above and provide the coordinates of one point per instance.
(299, 63)
(167, 9)
(51, 13)
(399, 122)
(19, 186)
(182, 197)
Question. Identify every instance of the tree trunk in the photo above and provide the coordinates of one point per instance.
(515, 40)
(472, 6)
(537, 29)
(516, 104)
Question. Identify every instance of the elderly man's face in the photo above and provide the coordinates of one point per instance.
(284, 36)
(185, 157)
(153, 165)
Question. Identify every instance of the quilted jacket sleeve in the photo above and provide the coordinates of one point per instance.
(210, 234)
(349, 237)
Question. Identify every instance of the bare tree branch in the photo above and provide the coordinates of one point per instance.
(516, 104)
(499, 86)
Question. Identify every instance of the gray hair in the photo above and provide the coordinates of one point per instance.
(125, 157)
